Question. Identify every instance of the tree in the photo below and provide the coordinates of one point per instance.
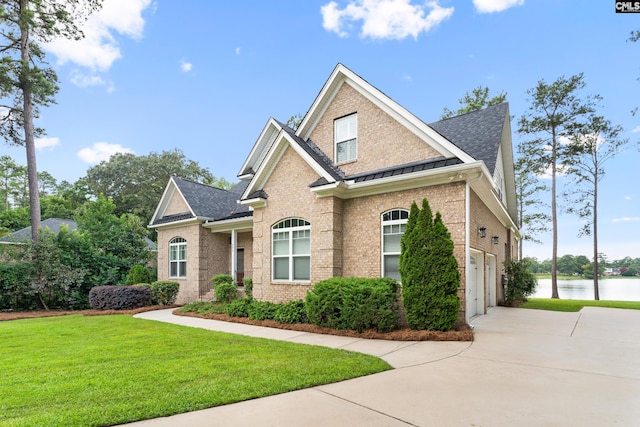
(556, 112)
(47, 183)
(136, 183)
(476, 100)
(294, 121)
(25, 78)
(589, 150)
(528, 187)
(10, 172)
(429, 271)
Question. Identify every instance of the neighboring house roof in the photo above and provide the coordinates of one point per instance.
(54, 225)
(203, 201)
(478, 133)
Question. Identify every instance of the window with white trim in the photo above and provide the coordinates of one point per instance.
(346, 138)
(394, 223)
(291, 250)
(177, 257)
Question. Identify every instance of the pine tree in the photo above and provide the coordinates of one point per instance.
(429, 272)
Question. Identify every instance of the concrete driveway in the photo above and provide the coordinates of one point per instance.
(525, 368)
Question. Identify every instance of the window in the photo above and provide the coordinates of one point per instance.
(346, 138)
(177, 257)
(291, 250)
(393, 225)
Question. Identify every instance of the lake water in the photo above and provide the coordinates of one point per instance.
(610, 289)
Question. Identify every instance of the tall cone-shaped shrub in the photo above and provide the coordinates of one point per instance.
(429, 271)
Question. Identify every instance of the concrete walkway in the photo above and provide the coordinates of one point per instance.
(525, 368)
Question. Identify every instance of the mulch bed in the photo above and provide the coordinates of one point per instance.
(462, 332)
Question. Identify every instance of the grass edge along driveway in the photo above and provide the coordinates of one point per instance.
(105, 370)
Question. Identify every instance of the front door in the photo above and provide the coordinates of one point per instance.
(240, 266)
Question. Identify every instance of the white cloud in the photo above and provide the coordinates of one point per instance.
(46, 142)
(407, 78)
(99, 48)
(185, 66)
(491, 6)
(636, 129)
(100, 151)
(626, 219)
(627, 197)
(85, 80)
(384, 19)
(238, 50)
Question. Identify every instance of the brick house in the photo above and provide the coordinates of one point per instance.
(332, 199)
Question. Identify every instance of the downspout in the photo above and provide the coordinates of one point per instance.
(467, 238)
(234, 255)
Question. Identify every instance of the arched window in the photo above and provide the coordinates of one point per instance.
(291, 250)
(394, 223)
(177, 257)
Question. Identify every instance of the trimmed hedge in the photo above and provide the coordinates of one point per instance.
(239, 307)
(119, 297)
(164, 292)
(354, 303)
(262, 310)
(291, 312)
(225, 292)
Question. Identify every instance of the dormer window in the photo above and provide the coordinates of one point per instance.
(346, 138)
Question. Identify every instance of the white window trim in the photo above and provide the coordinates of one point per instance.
(290, 256)
(382, 225)
(353, 116)
(177, 242)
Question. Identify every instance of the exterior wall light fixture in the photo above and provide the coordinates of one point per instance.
(495, 240)
(482, 231)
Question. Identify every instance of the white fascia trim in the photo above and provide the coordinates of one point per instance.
(188, 221)
(238, 224)
(322, 101)
(487, 193)
(257, 202)
(262, 143)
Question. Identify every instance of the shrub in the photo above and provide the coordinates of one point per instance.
(521, 282)
(291, 312)
(119, 297)
(262, 310)
(225, 292)
(429, 271)
(164, 292)
(15, 288)
(239, 307)
(138, 274)
(354, 303)
(248, 287)
(221, 278)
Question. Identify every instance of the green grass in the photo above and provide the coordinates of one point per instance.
(104, 370)
(576, 305)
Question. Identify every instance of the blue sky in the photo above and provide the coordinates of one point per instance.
(205, 76)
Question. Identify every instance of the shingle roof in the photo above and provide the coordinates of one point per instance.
(53, 224)
(477, 133)
(206, 201)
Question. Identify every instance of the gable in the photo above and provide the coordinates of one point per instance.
(176, 204)
(381, 140)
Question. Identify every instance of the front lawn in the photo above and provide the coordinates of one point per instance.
(576, 305)
(105, 370)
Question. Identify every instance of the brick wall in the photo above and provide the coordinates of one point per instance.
(207, 255)
(382, 141)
